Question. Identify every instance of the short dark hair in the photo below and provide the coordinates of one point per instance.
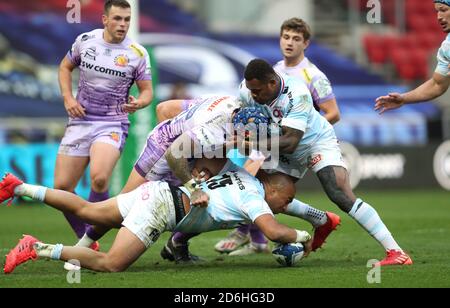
(297, 25)
(259, 69)
(120, 3)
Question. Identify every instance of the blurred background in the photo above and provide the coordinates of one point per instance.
(366, 48)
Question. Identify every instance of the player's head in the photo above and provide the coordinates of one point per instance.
(442, 8)
(279, 190)
(295, 34)
(116, 19)
(262, 81)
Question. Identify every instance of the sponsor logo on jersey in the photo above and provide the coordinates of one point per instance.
(86, 37)
(217, 102)
(91, 53)
(314, 160)
(102, 69)
(136, 50)
(121, 60)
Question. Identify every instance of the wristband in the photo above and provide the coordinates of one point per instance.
(302, 236)
(191, 185)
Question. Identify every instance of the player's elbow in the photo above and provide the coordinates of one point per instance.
(335, 118)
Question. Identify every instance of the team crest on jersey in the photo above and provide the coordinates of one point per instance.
(115, 136)
(121, 60)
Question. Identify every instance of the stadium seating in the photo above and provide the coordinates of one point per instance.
(408, 53)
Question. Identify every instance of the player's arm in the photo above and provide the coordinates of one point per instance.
(73, 108)
(330, 111)
(323, 96)
(432, 88)
(169, 109)
(280, 233)
(289, 139)
(177, 158)
(143, 100)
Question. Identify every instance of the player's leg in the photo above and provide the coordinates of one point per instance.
(323, 222)
(68, 171)
(104, 213)
(126, 249)
(335, 181)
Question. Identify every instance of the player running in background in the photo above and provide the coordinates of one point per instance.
(232, 198)
(439, 82)
(295, 36)
(307, 142)
(109, 63)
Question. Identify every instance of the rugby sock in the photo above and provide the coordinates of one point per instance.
(97, 197)
(314, 216)
(257, 236)
(85, 241)
(243, 229)
(92, 234)
(78, 226)
(179, 239)
(48, 251)
(369, 219)
(33, 191)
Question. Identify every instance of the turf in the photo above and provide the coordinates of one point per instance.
(419, 220)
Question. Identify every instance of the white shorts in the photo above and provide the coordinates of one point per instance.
(148, 211)
(318, 156)
(80, 135)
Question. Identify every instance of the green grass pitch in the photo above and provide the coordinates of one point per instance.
(419, 220)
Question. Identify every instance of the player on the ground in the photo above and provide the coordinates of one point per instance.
(146, 212)
(439, 82)
(307, 142)
(295, 36)
(109, 63)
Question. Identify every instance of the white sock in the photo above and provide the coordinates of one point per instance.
(369, 219)
(33, 191)
(314, 216)
(85, 241)
(48, 251)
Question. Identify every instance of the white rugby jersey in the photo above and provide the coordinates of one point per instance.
(235, 197)
(443, 57)
(293, 107)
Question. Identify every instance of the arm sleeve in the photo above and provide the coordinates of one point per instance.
(143, 71)
(297, 117)
(255, 206)
(321, 89)
(443, 60)
(74, 54)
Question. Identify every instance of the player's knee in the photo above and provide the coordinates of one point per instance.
(99, 182)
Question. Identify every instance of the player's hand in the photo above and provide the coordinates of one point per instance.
(389, 102)
(200, 176)
(199, 198)
(133, 105)
(74, 108)
(308, 248)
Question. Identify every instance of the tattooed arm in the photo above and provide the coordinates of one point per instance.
(177, 158)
